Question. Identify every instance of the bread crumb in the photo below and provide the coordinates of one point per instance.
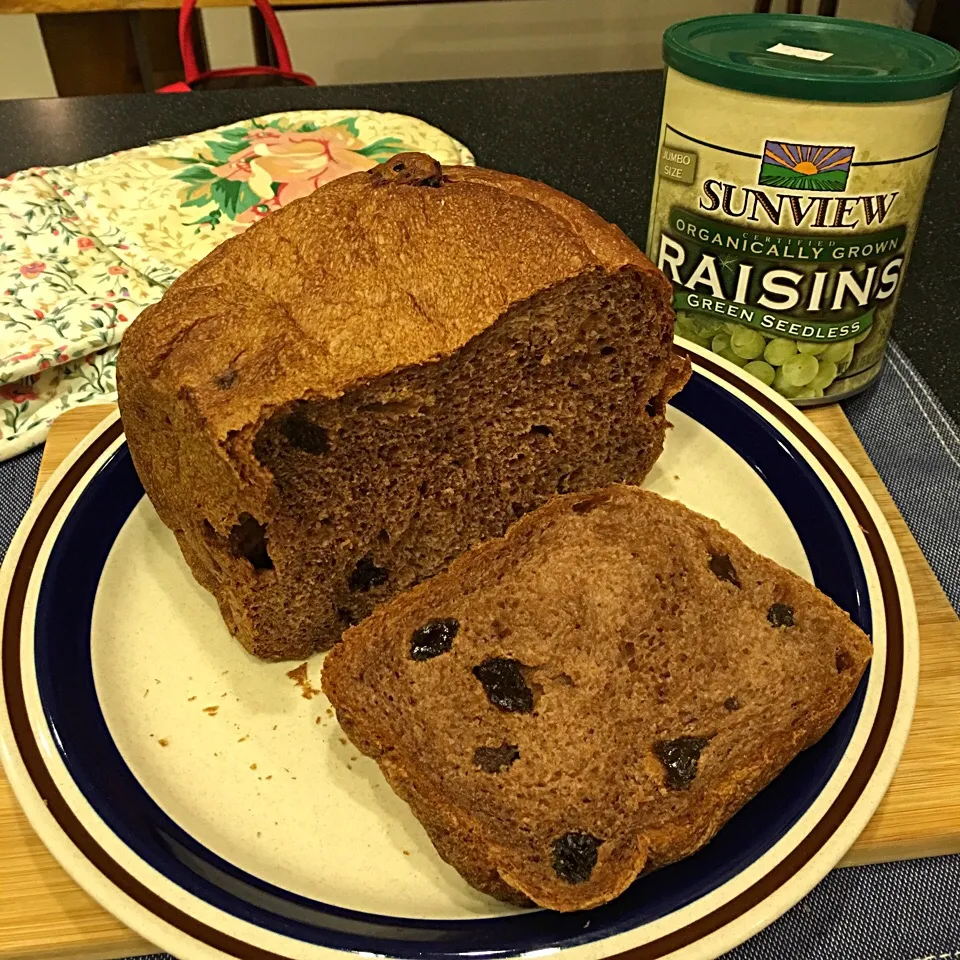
(299, 676)
(155, 680)
(349, 767)
(246, 736)
(258, 833)
(343, 740)
(164, 742)
(354, 758)
(222, 695)
(274, 726)
(676, 476)
(190, 699)
(329, 711)
(269, 776)
(145, 692)
(151, 734)
(253, 766)
(406, 853)
(211, 711)
(319, 720)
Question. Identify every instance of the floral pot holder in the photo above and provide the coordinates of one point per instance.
(84, 248)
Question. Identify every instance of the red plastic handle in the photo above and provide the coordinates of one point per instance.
(189, 57)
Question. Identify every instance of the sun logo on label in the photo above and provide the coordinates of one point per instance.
(803, 166)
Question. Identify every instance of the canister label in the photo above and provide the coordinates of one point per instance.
(786, 252)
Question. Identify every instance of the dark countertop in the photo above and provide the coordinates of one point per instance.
(593, 136)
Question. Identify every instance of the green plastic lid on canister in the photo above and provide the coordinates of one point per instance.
(811, 58)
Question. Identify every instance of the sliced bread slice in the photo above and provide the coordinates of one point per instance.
(593, 695)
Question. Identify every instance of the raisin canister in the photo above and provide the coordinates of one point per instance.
(793, 158)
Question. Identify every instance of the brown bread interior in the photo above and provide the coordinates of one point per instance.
(381, 488)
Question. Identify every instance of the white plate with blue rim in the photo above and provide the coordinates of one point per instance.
(214, 806)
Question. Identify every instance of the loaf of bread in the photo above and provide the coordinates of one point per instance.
(594, 695)
(334, 404)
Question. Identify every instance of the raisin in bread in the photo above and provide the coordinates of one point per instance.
(594, 695)
(334, 404)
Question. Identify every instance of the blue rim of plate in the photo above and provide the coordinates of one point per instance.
(68, 696)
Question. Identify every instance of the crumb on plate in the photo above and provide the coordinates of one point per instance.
(299, 676)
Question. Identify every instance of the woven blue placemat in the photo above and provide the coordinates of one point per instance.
(895, 911)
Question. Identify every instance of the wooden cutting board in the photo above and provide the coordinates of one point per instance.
(44, 914)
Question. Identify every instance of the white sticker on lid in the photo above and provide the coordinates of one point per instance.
(789, 51)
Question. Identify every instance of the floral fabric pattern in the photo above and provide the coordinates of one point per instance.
(85, 248)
